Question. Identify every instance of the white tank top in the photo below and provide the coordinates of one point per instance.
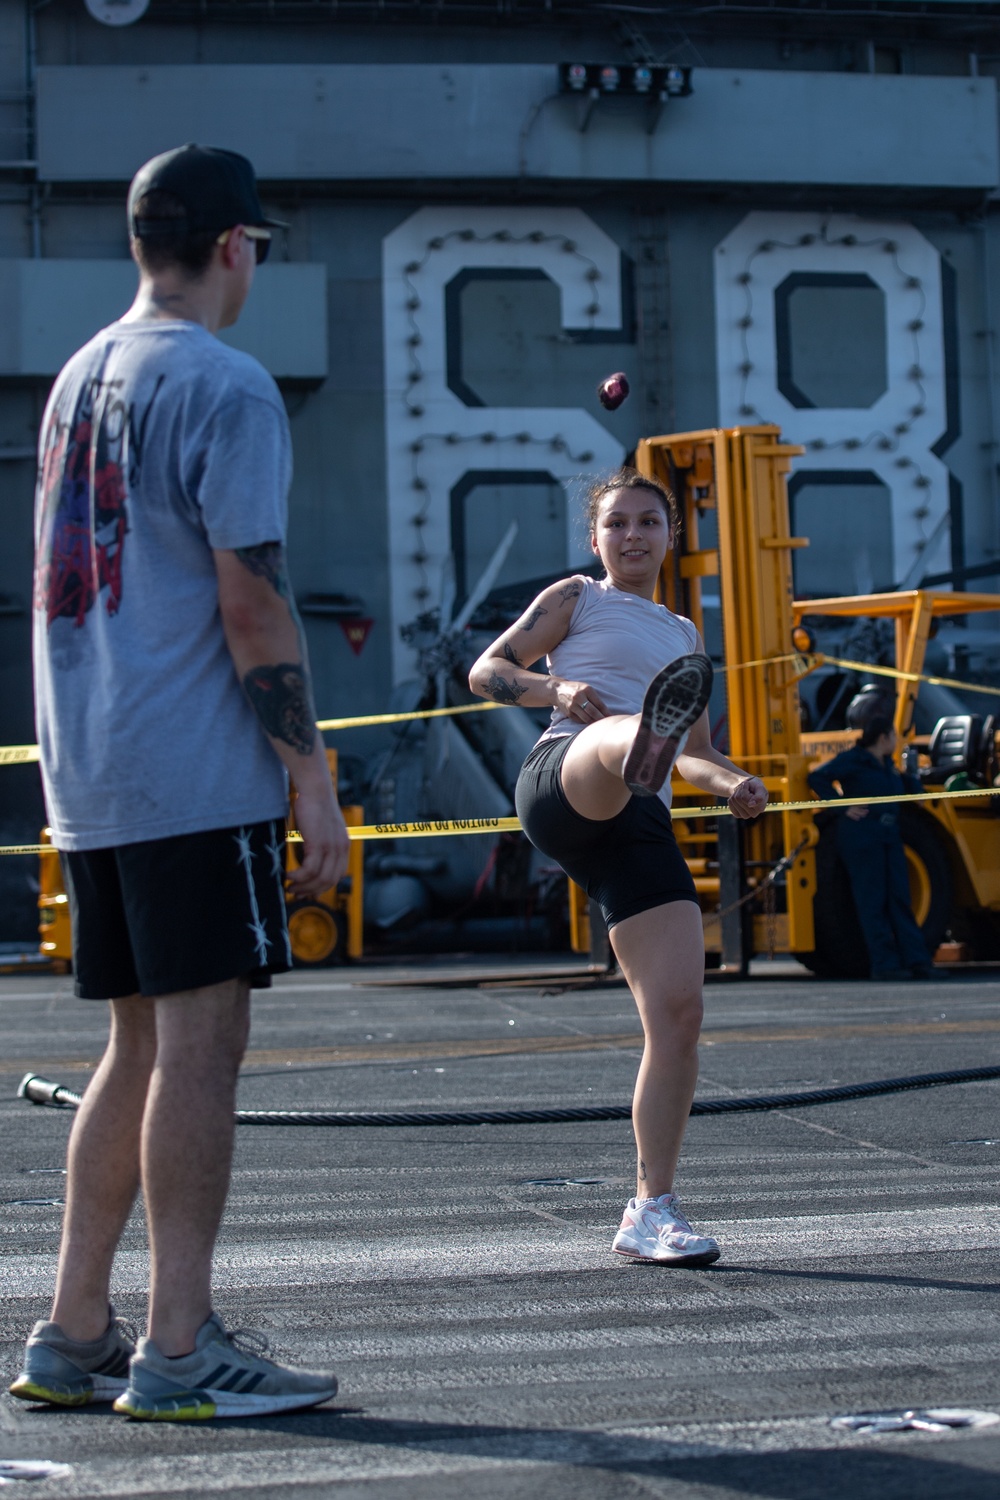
(616, 642)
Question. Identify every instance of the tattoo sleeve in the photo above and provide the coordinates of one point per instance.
(502, 691)
(283, 703)
(534, 617)
(512, 656)
(267, 561)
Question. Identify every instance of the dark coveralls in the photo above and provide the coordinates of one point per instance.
(872, 850)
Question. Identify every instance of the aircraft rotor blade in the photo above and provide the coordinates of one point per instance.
(486, 580)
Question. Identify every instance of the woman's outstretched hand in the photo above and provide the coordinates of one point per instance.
(578, 701)
(748, 799)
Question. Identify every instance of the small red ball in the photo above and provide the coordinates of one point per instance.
(613, 390)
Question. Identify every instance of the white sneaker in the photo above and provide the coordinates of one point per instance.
(656, 1229)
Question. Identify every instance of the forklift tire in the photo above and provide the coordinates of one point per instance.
(932, 888)
(318, 935)
(840, 951)
(981, 929)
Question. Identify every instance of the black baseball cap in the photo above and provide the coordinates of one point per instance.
(217, 188)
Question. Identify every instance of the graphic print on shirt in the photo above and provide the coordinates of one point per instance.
(90, 462)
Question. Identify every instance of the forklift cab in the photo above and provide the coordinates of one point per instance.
(962, 745)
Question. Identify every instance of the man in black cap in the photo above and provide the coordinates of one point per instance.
(174, 701)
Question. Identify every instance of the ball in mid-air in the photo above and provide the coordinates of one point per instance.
(613, 390)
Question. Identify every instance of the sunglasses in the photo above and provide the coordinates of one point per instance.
(261, 240)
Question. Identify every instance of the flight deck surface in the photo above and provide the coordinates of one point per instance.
(460, 1279)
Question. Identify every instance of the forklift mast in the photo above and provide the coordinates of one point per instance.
(731, 490)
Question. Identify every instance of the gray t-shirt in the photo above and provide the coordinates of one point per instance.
(159, 443)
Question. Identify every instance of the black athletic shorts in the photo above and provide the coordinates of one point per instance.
(627, 864)
(178, 914)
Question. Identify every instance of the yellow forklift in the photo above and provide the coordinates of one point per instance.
(323, 931)
(731, 485)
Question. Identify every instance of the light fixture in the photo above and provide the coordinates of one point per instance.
(594, 81)
(117, 12)
(677, 81)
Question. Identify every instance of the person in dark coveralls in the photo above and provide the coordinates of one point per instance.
(871, 846)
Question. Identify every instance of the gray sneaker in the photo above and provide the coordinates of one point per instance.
(63, 1372)
(226, 1376)
(674, 700)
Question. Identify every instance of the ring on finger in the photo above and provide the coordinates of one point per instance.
(584, 703)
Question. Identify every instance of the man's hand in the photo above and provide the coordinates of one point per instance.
(749, 799)
(325, 843)
(855, 813)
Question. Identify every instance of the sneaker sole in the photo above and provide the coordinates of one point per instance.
(204, 1405)
(102, 1388)
(706, 1258)
(674, 701)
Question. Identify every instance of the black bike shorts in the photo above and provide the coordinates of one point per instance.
(167, 915)
(627, 864)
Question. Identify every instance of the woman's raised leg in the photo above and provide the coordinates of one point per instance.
(625, 753)
(592, 767)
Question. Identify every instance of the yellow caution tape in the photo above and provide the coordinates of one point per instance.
(439, 827)
(417, 713)
(771, 661)
(17, 755)
(816, 805)
(14, 755)
(808, 661)
(952, 682)
(434, 828)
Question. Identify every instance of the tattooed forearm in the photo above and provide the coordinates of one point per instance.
(533, 618)
(267, 561)
(283, 703)
(569, 591)
(511, 655)
(502, 691)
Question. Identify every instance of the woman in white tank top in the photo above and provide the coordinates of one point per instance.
(627, 683)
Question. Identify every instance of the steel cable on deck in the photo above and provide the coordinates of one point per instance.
(40, 1091)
